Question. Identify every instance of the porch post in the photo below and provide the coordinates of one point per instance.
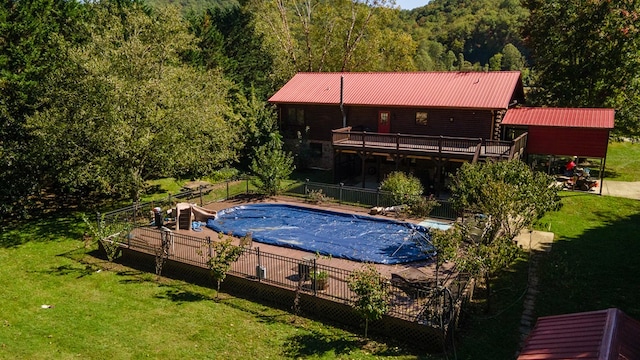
(363, 156)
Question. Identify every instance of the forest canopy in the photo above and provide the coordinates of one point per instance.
(99, 96)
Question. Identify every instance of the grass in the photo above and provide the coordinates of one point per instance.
(593, 264)
(104, 310)
(623, 161)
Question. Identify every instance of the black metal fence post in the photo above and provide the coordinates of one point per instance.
(340, 194)
(259, 267)
(135, 210)
(227, 198)
(208, 238)
(314, 278)
(201, 202)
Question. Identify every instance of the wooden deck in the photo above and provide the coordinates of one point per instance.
(425, 146)
(283, 266)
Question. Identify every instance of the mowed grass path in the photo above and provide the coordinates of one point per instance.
(101, 310)
(623, 161)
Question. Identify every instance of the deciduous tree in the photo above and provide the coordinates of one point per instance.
(587, 54)
(33, 35)
(127, 108)
(344, 35)
(506, 197)
(370, 290)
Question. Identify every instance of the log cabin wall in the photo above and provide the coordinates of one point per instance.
(321, 119)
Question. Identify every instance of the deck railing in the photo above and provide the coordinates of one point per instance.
(345, 137)
(440, 144)
(426, 304)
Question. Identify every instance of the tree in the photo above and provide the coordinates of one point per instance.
(126, 108)
(587, 54)
(506, 196)
(228, 40)
(344, 35)
(225, 254)
(271, 165)
(403, 187)
(369, 287)
(512, 58)
(33, 36)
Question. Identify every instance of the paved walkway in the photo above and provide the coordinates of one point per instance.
(624, 189)
(538, 242)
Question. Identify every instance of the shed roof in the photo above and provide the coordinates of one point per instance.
(561, 117)
(477, 90)
(603, 334)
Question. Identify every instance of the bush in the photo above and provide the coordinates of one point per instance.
(407, 189)
(271, 166)
(404, 188)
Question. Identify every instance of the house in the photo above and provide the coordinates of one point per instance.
(602, 335)
(365, 125)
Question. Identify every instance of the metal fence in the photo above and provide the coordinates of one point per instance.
(140, 214)
(357, 196)
(428, 303)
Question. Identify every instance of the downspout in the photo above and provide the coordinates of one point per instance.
(344, 116)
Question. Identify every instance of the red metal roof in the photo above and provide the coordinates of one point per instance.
(604, 334)
(478, 90)
(563, 117)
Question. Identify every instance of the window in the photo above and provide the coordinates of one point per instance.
(421, 118)
(384, 118)
(295, 116)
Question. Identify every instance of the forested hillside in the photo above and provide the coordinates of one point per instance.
(98, 97)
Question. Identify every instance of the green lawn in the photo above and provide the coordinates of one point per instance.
(594, 263)
(102, 310)
(623, 161)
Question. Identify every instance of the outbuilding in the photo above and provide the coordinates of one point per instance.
(558, 133)
(600, 335)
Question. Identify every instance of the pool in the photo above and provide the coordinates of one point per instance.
(328, 233)
(435, 224)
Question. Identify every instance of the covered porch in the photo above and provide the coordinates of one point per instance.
(439, 149)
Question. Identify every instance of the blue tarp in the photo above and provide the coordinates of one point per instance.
(329, 233)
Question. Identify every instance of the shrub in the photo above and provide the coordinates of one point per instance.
(317, 196)
(407, 189)
(369, 287)
(404, 188)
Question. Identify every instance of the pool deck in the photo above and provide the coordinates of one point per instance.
(426, 267)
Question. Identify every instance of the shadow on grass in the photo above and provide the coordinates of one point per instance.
(318, 344)
(51, 227)
(597, 269)
(78, 270)
(178, 295)
(315, 343)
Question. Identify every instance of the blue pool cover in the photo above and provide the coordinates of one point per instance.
(329, 233)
